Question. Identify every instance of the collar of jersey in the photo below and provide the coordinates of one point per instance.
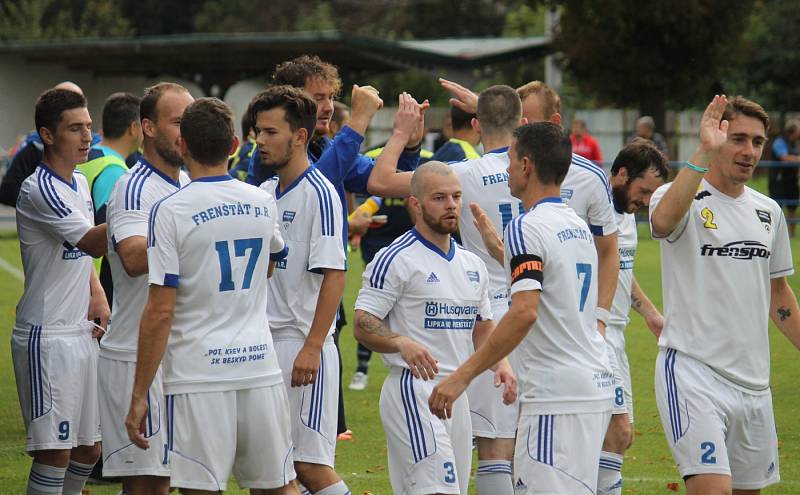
(279, 194)
(159, 172)
(428, 244)
(504, 149)
(214, 178)
(47, 169)
(549, 199)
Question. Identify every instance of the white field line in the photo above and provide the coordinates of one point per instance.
(13, 270)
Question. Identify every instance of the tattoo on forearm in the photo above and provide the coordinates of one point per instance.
(373, 325)
(636, 302)
(784, 313)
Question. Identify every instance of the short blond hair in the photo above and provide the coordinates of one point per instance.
(551, 102)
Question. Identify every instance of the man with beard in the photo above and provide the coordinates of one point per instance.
(305, 290)
(156, 175)
(636, 173)
(425, 306)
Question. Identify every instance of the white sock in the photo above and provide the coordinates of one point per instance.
(75, 477)
(609, 479)
(44, 479)
(494, 478)
(335, 489)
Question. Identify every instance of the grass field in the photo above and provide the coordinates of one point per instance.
(362, 461)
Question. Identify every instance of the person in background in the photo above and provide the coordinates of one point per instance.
(339, 118)
(462, 145)
(583, 143)
(240, 160)
(646, 129)
(783, 186)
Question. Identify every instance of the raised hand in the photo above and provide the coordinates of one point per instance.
(463, 98)
(407, 116)
(365, 102)
(491, 239)
(714, 130)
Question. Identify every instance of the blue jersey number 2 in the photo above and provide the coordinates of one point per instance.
(584, 269)
(240, 248)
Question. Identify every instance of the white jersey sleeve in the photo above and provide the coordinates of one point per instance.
(380, 289)
(523, 258)
(780, 263)
(680, 228)
(277, 246)
(586, 190)
(52, 210)
(163, 260)
(327, 243)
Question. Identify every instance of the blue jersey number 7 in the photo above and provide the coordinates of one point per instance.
(240, 248)
(584, 269)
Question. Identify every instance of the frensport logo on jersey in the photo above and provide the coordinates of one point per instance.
(738, 250)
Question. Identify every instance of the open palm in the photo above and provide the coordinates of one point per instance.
(714, 130)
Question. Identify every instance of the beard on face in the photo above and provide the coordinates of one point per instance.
(621, 199)
(277, 163)
(167, 151)
(436, 224)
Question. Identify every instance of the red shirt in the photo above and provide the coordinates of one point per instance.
(586, 147)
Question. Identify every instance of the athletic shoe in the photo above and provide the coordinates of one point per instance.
(359, 381)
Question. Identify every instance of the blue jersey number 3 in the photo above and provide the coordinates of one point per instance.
(240, 248)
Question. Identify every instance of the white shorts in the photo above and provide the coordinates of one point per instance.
(56, 373)
(491, 418)
(559, 453)
(314, 408)
(212, 434)
(713, 427)
(623, 386)
(426, 455)
(120, 456)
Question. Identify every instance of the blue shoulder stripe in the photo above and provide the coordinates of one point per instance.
(131, 185)
(325, 203)
(51, 195)
(591, 167)
(385, 258)
(43, 189)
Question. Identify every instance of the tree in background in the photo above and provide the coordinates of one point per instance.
(771, 73)
(651, 55)
(29, 20)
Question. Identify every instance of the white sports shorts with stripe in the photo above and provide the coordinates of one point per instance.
(314, 408)
(211, 434)
(623, 388)
(426, 455)
(56, 373)
(120, 456)
(558, 453)
(714, 427)
(491, 418)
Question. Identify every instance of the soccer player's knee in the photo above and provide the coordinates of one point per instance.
(87, 454)
(57, 458)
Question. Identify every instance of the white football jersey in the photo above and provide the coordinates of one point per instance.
(432, 297)
(484, 181)
(627, 241)
(563, 366)
(310, 219)
(585, 189)
(213, 240)
(52, 216)
(127, 214)
(716, 268)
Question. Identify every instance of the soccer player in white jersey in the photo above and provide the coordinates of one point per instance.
(425, 305)
(725, 256)
(305, 291)
(213, 241)
(156, 175)
(52, 344)
(566, 382)
(485, 182)
(638, 170)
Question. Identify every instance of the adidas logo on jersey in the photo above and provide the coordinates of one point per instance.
(432, 278)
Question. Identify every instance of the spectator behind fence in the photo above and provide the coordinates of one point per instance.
(583, 143)
(783, 186)
(646, 129)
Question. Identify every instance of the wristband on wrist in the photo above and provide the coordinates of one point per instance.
(413, 149)
(602, 314)
(696, 168)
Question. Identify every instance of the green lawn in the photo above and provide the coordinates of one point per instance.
(362, 461)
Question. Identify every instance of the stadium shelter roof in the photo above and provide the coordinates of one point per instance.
(223, 58)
